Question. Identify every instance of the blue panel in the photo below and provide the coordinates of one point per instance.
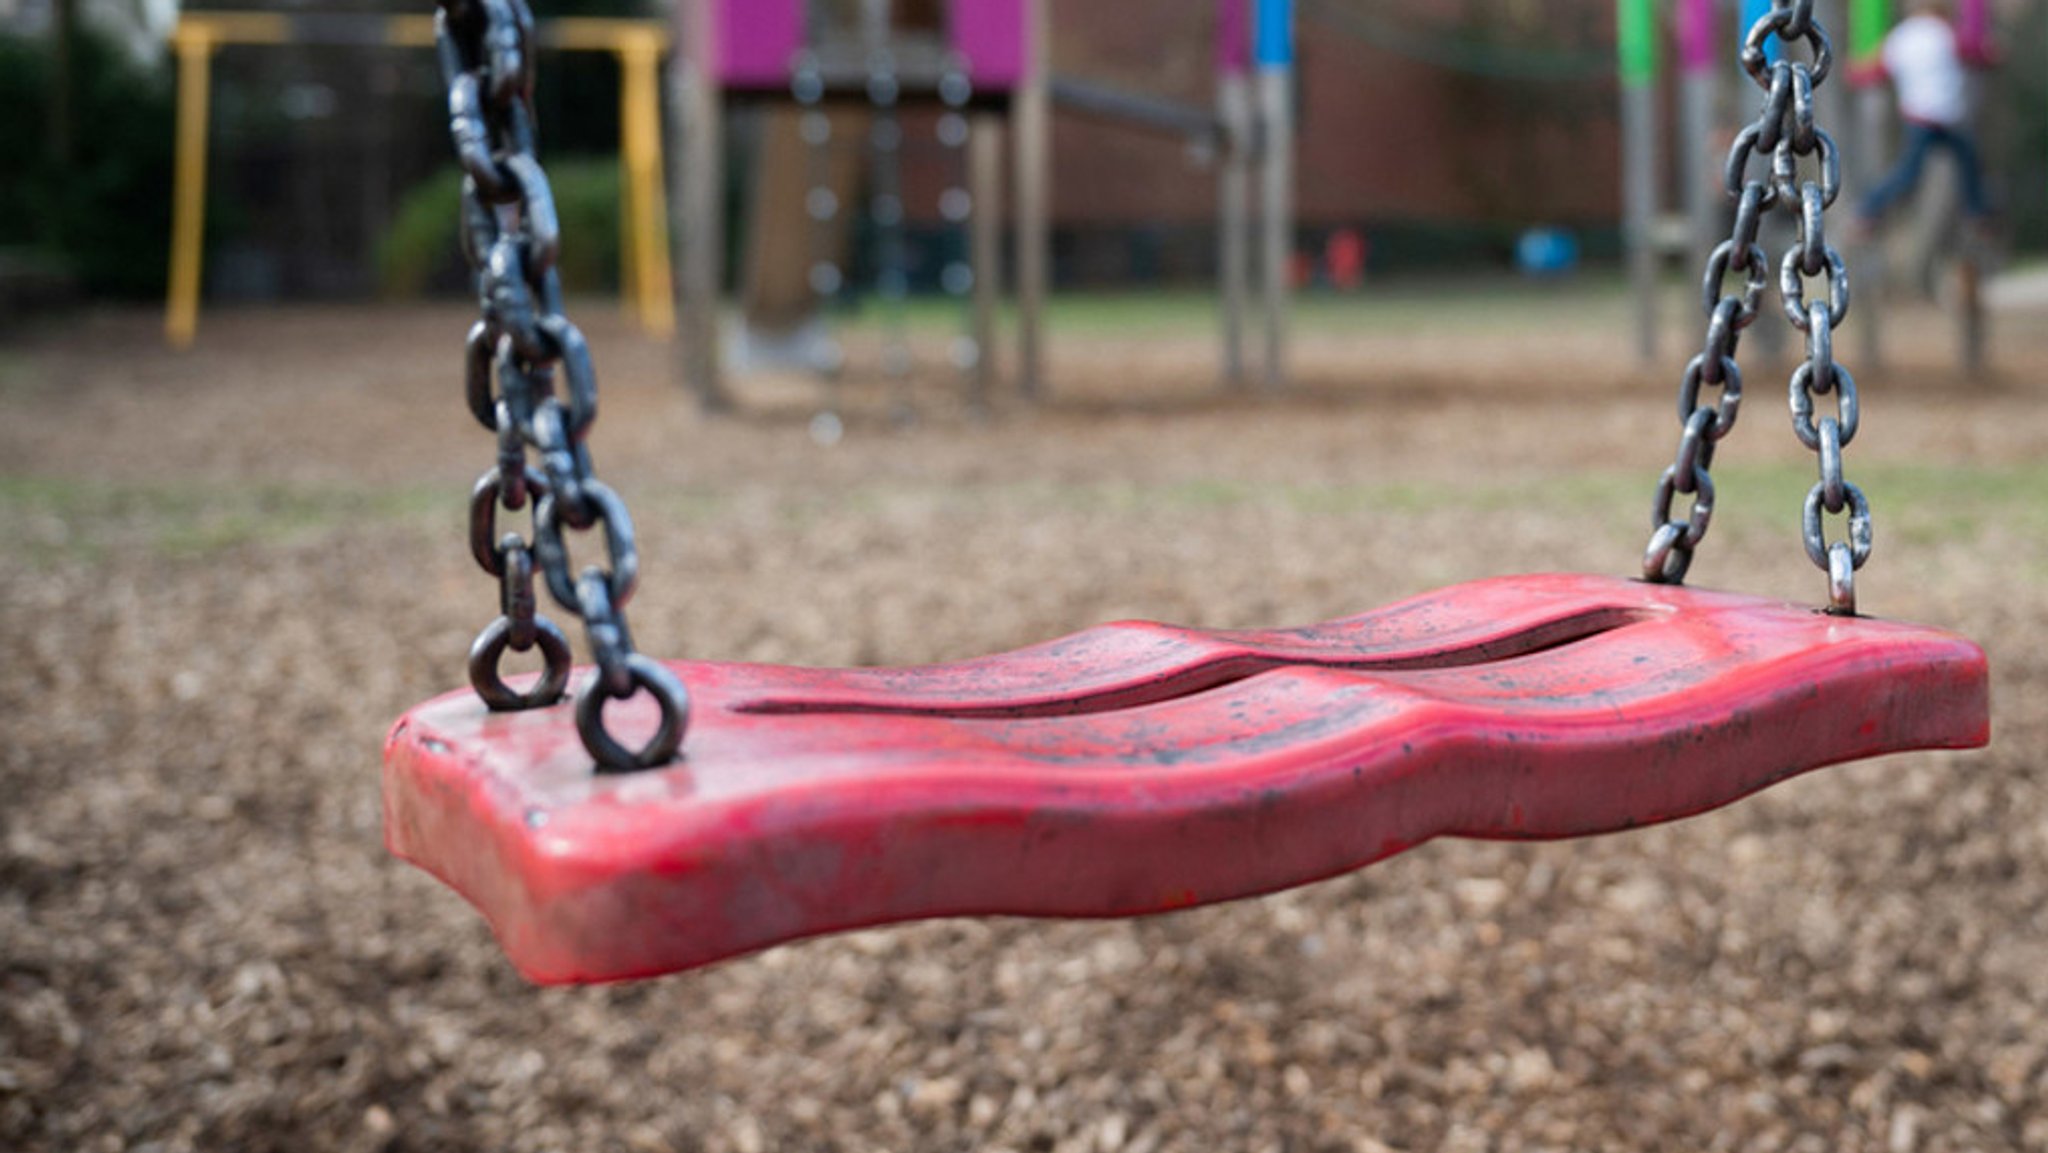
(1274, 40)
(1753, 11)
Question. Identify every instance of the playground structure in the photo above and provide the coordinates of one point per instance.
(638, 46)
(985, 64)
(976, 59)
(196, 896)
(1706, 34)
(1137, 768)
(983, 61)
(750, 55)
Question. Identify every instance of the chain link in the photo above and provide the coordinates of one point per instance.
(1786, 133)
(513, 357)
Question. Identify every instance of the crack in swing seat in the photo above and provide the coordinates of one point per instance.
(1138, 768)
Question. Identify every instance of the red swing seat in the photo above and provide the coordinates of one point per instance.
(1138, 768)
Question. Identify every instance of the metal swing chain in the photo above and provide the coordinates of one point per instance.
(821, 203)
(956, 201)
(1786, 133)
(824, 276)
(886, 212)
(511, 237)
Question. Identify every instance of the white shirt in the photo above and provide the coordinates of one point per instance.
(1926, 67)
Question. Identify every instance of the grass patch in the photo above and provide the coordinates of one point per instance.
(1920, 506)
(1450, 305)
(53, 519)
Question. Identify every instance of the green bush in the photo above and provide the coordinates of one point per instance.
(420, 251)
(107, 219)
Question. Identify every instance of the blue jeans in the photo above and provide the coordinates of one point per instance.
(1920, 140)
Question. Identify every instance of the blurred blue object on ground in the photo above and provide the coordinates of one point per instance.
(1547, 252)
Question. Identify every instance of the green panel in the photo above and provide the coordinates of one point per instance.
(1636, 30)
(1869, 22)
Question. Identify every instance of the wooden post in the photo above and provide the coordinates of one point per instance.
(194, 47)
(653, 280)
(629, 273)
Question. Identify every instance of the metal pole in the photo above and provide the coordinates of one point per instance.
(1274, 49)
(1032, 124)
(1700, 41)
(1832, 99)
(1233, 182)
(985, 195)
(1870, 21)
(1837, 105)
(194, 47)
(1637, 27)
(1769, 341)
(1974, 36)
(701, 227)
(1233, 204)
(885, 201)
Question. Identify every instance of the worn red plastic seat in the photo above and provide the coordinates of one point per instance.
(1137, 768)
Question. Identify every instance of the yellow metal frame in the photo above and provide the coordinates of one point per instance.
(646, 286)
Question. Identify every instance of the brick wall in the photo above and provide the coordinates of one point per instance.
(1385, 136)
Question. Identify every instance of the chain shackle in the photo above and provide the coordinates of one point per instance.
(1785, 134)
(513, 356)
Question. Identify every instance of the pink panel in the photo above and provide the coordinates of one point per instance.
(1233, 37)
(755, 41)
(994, 38)
(1973, 31)
(1699, 35)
